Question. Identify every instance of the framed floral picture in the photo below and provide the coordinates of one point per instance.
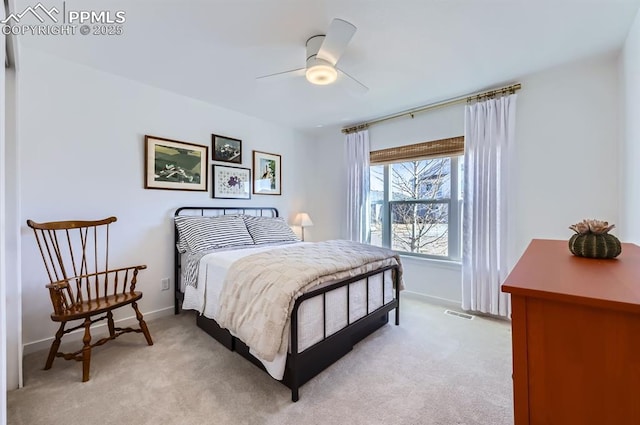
(267, 173)
(226, 149)
(171, 164)
(231, 182)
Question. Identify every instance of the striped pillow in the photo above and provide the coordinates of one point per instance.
(205, 233)
(269, 230)
(181, 246)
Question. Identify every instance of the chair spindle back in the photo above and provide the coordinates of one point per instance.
(76, 253)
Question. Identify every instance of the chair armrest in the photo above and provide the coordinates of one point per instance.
(57, 292)
(102, 273)
(65, 293)
(121, 269)
(59, 285)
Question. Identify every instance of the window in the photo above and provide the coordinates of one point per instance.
(416, 206)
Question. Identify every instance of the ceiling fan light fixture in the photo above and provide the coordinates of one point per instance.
(323, 53)
(321, 74)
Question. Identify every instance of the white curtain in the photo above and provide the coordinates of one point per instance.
(358, 185)
(489, 137)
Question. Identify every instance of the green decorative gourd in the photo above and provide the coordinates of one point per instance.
(592, 240)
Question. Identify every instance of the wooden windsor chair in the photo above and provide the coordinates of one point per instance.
(76, 257)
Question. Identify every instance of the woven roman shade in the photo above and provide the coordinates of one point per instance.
(437, 148)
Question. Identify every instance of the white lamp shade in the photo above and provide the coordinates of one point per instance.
(303, 220)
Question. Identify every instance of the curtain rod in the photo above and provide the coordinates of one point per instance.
(466, 98)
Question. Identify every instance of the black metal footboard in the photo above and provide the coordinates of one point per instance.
(303, 366)
(307, 364)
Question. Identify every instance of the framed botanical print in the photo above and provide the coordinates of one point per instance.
(226, 149)
(172, 164)
(231, 182)
(267, 173)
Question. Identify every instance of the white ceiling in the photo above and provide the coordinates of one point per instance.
(408, 52)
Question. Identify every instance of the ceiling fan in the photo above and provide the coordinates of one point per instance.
(323, 53)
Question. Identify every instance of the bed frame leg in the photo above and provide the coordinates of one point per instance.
(294, 395)
(397, 285)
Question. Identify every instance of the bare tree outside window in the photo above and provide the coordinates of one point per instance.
(420, 191)
(413, 200)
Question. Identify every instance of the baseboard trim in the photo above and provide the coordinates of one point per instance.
(76, 336)
(431, 299)
(455, 305)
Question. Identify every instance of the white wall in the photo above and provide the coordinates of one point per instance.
(12, 235)
(10, 309)
(82, 157)
(567, 135)
(566, 162)
(630, 140)
(326, 182)
(3, 247)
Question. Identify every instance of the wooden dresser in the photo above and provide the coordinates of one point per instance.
(576, 336)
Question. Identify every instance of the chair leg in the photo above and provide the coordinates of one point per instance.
(143, 325)
(112, 327)
(55, 346)
(86, 350)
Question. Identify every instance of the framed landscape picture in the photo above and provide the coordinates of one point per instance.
(267, 173)
(231, 182)
(226, 149)
(171, 164)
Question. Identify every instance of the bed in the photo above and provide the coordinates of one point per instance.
(328, 313)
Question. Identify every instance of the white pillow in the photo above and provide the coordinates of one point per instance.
(269, 230)
(206, 233)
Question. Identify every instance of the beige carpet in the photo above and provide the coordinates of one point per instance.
(432, 369)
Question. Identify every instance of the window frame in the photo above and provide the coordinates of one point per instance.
(454, 207)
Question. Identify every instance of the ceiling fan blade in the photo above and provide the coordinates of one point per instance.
(282, 75)
(352, 84)
(335, 42)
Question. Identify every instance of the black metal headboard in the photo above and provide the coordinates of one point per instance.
(208, 212)
(215, 211)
